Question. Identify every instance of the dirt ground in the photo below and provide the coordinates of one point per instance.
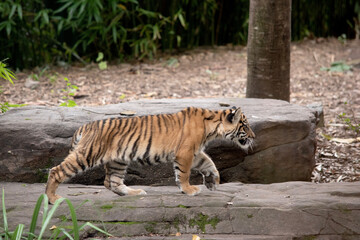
(218, 72)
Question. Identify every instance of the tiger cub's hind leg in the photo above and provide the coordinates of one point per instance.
(207, 168)
(114, 179)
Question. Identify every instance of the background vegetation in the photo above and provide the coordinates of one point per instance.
(38, 32)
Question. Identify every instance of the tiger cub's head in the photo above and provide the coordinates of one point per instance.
(237, 128)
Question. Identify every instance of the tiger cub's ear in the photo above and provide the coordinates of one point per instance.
(234, 116)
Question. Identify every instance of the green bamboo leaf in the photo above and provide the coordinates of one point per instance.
(100, 57)
(182, 20)
(114, 33)
(45, 17)
(20, 12)
(13, 9)
(63, 7)
(8, 28)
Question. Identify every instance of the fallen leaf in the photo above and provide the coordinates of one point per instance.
(151, 94)
(76, 194)
(345, 140)
(224, 104)
(178, 234)
(195, 237)
(53, 227)
(128, 113)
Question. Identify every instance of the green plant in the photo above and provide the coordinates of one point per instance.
(4, 107)
(6, 73)
(339, 66)
(69, 92)
(102, 64)
(342, 38)
(351, 121)
(356, 25)
(57, 233)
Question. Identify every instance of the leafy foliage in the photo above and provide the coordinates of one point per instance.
(350, 120)
(8, 75)
(337, 67)
(36, 32)
(69, 92)
(57, 232)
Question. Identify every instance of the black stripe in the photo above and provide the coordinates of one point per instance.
(177, 163)
(128, 141)
(145, 119)
(123, 137)
(113, 127)
(210, 118)
(188, 110)
(116, 169)
(146, 154)
(80, 163)
(71, 167)
(114, 182)
(177, 168)
(213, 132)
(139, 160)
(63, 170)
(201, 162)
(148, 147)
(164, 121)
(179, 121)
(135, 147)
(119, 175)
(159, 123)
(121, 163)
(157, 158)
(88, 157)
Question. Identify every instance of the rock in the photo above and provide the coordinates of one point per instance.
(317, 109)
(36, 138)
(291, 210)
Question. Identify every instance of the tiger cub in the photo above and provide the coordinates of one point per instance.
(179, 138)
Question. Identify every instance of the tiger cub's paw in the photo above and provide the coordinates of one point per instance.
(191, 190)
(53, 198)
(137, 192)
(211, 181)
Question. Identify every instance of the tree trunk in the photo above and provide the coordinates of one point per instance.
(268, 49)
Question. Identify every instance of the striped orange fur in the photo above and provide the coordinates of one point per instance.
(179, 138)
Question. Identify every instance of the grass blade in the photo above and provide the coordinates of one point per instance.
(74, 219)
(95, 227)
(49, 216)
(66, 234)
(35, 217)
(4, 215)
(18, 232)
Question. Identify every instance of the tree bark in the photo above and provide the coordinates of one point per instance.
(268, 49)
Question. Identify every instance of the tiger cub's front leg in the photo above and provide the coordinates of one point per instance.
(207, 168)
(114, 179)
(182, 169)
